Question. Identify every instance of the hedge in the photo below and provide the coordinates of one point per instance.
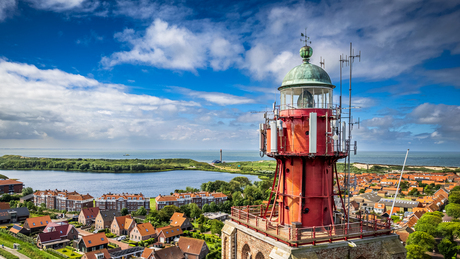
(7, 254)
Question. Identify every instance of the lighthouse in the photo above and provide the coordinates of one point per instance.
(306, 136)
(303, 138)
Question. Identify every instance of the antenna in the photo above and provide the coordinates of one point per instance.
(306, 39)
(397, 189)
(322, 62)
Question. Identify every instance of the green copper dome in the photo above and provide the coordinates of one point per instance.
(306, 74)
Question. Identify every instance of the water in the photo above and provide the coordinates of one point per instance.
(96, 184)
(416, 158)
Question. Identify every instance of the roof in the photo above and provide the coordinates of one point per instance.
(177, 219)
(95, 239)
(176, 196)
(172, 252)
(90, 213)
(147, 252)
(109, 215)
(169, 231)
(146, 229)
(400, 203)
(126, 252)
(92, 255)
(124, 221)
(306, 74)
(50, 236)
(126, 196)
(9, 182)
(372, 196)
(191, 245)
(379, 206)
(16, 228)
(38, 221)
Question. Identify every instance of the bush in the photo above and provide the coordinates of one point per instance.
(7, 254)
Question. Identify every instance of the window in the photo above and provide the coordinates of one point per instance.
(33, 223)
(89, 241)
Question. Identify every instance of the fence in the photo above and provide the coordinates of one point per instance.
(253, 217)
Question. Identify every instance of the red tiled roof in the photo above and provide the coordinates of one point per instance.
(92, 255)
(38, 221)
(9, 181)
(191, 245)
(169, 231)
(146, 229)
(95, 239)
(90, 213)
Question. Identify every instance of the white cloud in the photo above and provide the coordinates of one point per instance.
(214, 97)
(63, 5)
(6, 8)
(174, 47)
(57, 104)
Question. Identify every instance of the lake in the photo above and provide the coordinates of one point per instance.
(96, 184)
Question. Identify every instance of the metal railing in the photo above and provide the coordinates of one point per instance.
(253, 217)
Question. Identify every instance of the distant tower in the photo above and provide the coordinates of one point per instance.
(221, 156)
(304, 137)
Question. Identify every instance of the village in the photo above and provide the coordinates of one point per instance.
(188, 223)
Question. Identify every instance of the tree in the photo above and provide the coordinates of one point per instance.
(404, 185)
(216, 226)
(428, 224)
(141, 211)
(455, 189)
(454, 197)
(453, 210)
(414, 192)
(27, 191)
(449, 230)
(416, 252)
(195, 211)
(206, 208)
(420, 238)
(124, 212)
(213, 207)
(361, 191)
(447, 248)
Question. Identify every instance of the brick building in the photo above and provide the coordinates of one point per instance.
(199, 198)
(124, 200)
(105, 218)
(142, 232)
(10, 186)
(63, 200)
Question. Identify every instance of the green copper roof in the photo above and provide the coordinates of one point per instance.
(306, 74)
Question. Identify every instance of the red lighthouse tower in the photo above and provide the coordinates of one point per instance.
(303, 138)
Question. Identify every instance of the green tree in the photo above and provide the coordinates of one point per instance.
(213, 207)
(206, 208)
(195, 211)
(141, 211)
(216, 226)
(414, 192)
(448, 248)
(455, 189)
(420, 238)
(124, 212)
(428, 224)
(453, 210)
(416, 252)
(362, 191)
(27, 191)
(454, 197)
(404, 185)
(449, 230)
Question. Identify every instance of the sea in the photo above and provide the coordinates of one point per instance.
(152, 184)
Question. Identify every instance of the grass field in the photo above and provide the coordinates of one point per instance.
(153, 203)
(69, 253)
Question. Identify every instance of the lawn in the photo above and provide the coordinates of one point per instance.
(26, 249)
(153, 203)
(71, 254)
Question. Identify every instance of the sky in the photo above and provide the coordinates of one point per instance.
(198, 74)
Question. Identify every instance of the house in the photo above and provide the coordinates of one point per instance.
(403, 205)
(117, 202)
(105, 218)
(180, 220)
(63, 200)
(37, 224)
(14, 215)
(172, 252)
(10, 186)
(98, 254)
(93, 242)
(199, 198)
(88, 216)
(132, 252)
(65, 230)
(193, 248)
(168, 234)
(51, 240)
(122, 225)
(29, 197)
(379, 208)
(142, 232)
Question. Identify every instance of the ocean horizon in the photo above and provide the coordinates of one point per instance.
(415, 158)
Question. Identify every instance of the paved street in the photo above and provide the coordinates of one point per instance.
(15, 252)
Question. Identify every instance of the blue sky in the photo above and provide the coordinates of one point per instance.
(190, 74)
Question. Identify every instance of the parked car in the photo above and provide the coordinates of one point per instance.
(95, 231)
(121, 238)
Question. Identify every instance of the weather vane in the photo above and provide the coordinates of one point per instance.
(306, 39)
